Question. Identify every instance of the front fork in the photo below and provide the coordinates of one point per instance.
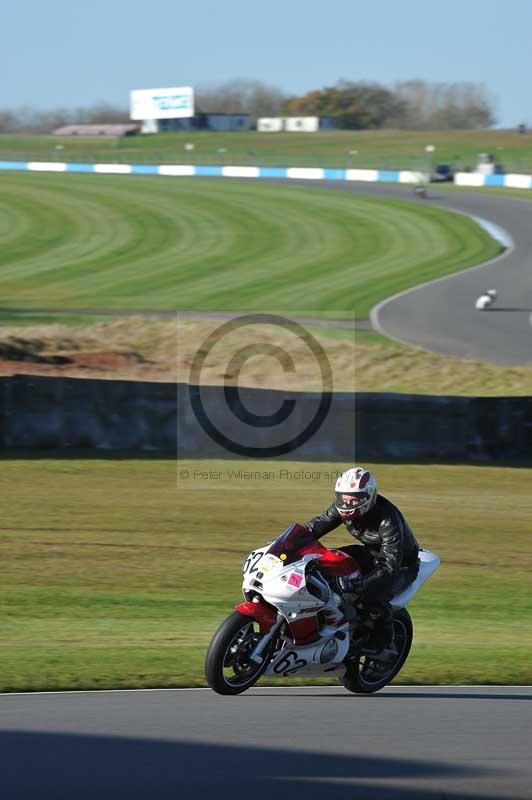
(256, 655)
(269, 621)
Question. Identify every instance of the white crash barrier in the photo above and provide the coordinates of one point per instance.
(113, 169)
(469, 179)
(472, 179)
(46, 166)
(305, 173)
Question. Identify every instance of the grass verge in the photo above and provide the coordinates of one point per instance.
(115, 575)
(142, 243)
(160, 350)
(383, 149)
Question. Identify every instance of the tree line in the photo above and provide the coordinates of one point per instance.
(30, 120)
(354, 105)
(414, 105)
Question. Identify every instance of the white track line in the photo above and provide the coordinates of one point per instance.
(400, 687)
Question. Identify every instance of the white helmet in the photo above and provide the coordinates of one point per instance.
(356, 493)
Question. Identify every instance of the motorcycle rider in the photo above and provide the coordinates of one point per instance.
(387, 557)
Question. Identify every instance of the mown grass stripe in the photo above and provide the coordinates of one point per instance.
(142, 243)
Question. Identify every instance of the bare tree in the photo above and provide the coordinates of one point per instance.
(240, 96)
(28, 120)
(8, 122)
(445, 106)
(103, 113)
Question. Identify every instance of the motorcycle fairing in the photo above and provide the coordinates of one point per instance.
(263, 613)
(309, 659)
(428, 563)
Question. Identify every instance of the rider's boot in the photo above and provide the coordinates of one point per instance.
(383, 630)
(348, 606)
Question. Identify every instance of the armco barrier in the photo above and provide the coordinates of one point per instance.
(66, 413)
(295, 173)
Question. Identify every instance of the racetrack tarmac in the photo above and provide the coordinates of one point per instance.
(440, 316)
(405, 742)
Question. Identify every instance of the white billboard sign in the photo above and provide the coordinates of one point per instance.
(177, 101)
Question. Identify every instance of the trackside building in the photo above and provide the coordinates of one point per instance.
(172, 109)
(295, 124)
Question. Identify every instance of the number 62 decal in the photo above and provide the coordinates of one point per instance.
(251, 562)
(289, 664)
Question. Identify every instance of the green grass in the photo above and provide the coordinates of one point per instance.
(501, 191)
(385, 149)
(113, 575)
(143, 243)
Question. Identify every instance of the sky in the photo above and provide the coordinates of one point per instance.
(65, 53)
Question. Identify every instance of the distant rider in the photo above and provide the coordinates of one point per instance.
(388, 555)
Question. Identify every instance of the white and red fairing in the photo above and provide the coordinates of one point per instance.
(276, 577)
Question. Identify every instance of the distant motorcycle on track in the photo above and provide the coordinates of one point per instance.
(295, 622)
(420, 192)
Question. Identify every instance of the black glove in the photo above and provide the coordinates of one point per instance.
(352, 585)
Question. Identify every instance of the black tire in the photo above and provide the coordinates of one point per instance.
(227, 669)
(361, 678)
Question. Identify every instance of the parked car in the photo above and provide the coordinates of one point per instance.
(442, 172)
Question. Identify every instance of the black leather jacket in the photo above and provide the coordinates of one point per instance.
(383, 531)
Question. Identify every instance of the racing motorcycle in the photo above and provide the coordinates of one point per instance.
(295, 621)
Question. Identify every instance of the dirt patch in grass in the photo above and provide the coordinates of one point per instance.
(98, 364)
(93, 363)
(117, 350)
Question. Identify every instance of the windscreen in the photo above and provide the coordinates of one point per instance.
(290, 542)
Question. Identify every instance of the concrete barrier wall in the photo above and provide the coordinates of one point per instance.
(296, 173)
(63, 413)
(509, 181)
(213, 171)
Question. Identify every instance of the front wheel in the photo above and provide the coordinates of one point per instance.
(367, 675)
(228, 668)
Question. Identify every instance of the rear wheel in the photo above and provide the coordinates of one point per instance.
(366, 675)
(228, 668)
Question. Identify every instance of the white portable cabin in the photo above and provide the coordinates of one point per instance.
(270, 124)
